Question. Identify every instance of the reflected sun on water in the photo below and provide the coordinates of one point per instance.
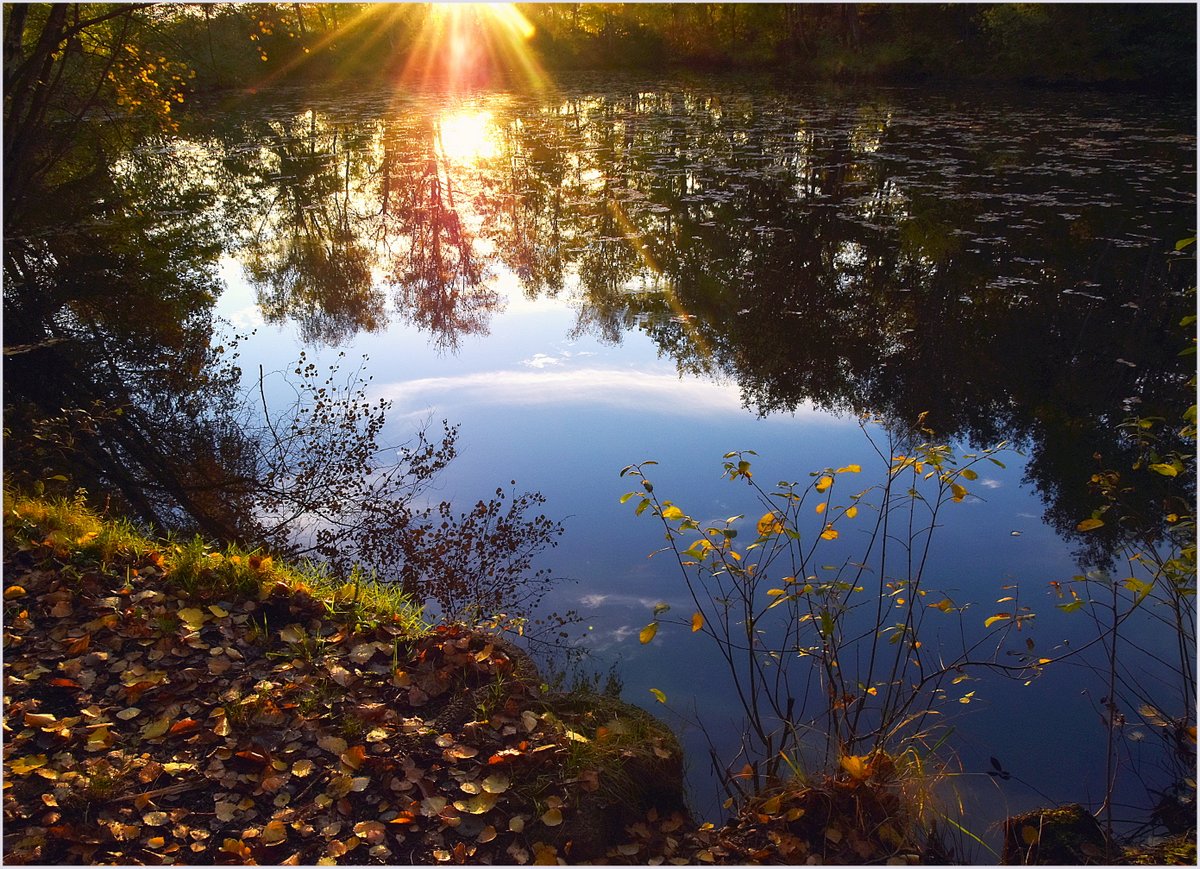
(467, 137)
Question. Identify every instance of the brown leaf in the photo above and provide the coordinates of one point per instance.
(354, 757)
(186, 725)
(372, 831)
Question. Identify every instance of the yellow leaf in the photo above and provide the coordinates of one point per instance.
(851, 512)
(856, 766)
(496, 783)
(156, 728)
(824, 483)
(850, 469)
(192, 617)
(217, 611)
(771, 806)
(697, 622)
(478, 804)
(274, 833)
(303, 768)
(658, 695)
(769, 524)
(39, 719)
(13, 591)
(998, 617)
(647, 633)
(820, 508)
(960, 492)
(1089, 524)
(670, 511)
(552, 818)
(26, 765)
(830, 533)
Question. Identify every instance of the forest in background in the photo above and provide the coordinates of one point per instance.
(1130, 44)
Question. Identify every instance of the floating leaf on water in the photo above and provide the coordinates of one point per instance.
(1089, 524)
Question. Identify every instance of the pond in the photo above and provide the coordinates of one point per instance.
(621, 270)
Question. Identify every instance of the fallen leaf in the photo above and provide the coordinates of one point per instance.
(552, 818)
(332, 744)
(26, 765)
(372, 831)
(496, 783)
(354, 757)
(478, 804)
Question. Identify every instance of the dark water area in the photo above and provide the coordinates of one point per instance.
(619, 270)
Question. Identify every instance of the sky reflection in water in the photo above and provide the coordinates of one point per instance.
(712, 283)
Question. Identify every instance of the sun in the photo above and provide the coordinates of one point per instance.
(470, 45)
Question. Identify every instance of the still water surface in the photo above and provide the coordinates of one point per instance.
(618, 271)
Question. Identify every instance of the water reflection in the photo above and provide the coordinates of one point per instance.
(1006, 267)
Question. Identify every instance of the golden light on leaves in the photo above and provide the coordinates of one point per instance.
(824, 483)
(856, 765)
(770, 524)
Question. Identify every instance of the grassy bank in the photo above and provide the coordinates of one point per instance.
(175, 702)
(171, 701)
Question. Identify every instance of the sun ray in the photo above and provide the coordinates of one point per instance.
(469, 45)
(636, 241)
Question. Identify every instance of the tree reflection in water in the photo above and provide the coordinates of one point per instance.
(878, 257)
(874, 256)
